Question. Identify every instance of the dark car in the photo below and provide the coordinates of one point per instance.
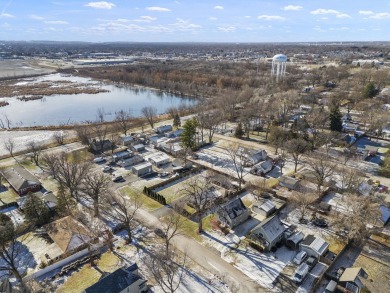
(159, 232)
(319, 222)
(117, 178)
(311, 262)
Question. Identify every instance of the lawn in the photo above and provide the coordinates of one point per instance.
(80, 280)
(88, 276)
(147, 203)
(7, 195)
(207, 222)
(190, 229)
(335, 244)
(175, 191)
(80, 155)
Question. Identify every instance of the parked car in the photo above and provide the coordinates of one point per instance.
(163, 174)
(106, 169)
(159, 232)
(319, 222)
(117, 178)
(311, 261)
(99, 160)
(300, 257)
(300, 273)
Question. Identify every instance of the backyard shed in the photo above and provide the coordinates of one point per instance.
(264, 208)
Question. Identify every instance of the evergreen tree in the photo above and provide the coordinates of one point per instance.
(188, 137)
(66, 204)
(335, 118)
(176, 121)
(369, 91)
(35, 210)
(239, 131)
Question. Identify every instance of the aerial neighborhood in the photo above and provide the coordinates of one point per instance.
(272, 177)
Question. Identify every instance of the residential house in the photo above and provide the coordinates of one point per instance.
(126, 140)
(164, 128)
(101, 146)
(138, 147)
(120, 281)
(262, 168)
(314, 246)
(253, 157)
(48, 198)
(289, 182)
(264, 208)
(349, 127)
(159, 159)
(233, 213)
(175, 133)
(131, 161)
(268, 233)
(350, 279)
(69, 234)
(21, 180)
(121, 155)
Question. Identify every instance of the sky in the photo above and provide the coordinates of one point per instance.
(195, 20)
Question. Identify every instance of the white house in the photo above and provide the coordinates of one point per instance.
(314, 246)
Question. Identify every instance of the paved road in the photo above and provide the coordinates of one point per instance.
(206, 258)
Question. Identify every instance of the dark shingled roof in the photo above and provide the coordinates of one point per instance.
(19, 177)
(116, 281)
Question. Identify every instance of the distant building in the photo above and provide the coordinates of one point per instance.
(142, 169)
(289, 182)
(123, 280)
(126, 140)
(164, 128)
(21, 180)
(101, 146)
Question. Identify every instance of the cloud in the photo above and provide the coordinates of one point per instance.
(227, 29)
(325, 11)
(6, 15)
(247, 16)
(156, 8)
(101, 5)
(382, 15)
(343, 15)
(145, 18)
(218, 7)
(292, 7)
(271, 17)
(36, 17)
(213, 18)
(365, 12)
(185, 25)
(56, 22)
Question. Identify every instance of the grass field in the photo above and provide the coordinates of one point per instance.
(147, 203)
(88, 275)
(7, 195)
(175, 191)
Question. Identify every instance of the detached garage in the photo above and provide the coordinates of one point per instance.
(142, 169)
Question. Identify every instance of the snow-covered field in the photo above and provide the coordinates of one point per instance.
(263, 268)
(22, 138)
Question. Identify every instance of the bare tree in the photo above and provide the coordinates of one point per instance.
(101, 131)
(302, 200)
(354, 216)
(59, 136)
(35, 150)
(350, 179)
(68, 173)
(84, 134)
(323, 168)
(198, 191)
(123, 118)
(278, 137)
(297, 147)
(167, 270)
(122, 210)
(172, 226)
(95, 185)
(236, 155)
(9, 145)
(211, 123)
(150, 114)
(100, 115)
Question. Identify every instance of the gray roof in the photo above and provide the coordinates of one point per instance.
(268, 206)
(316, 243)
(116, 281)
(19, 177)
(272, 228)
(235, 208)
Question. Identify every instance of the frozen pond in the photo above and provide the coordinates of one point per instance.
(66, 109)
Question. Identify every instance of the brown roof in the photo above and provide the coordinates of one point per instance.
(350, 274)
(68, 233)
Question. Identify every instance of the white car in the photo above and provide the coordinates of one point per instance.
(106, 168)
(99, 160)
(300, 257)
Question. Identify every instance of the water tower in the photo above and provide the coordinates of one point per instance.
(279, 62)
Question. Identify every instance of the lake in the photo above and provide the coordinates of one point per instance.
(69, 109)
